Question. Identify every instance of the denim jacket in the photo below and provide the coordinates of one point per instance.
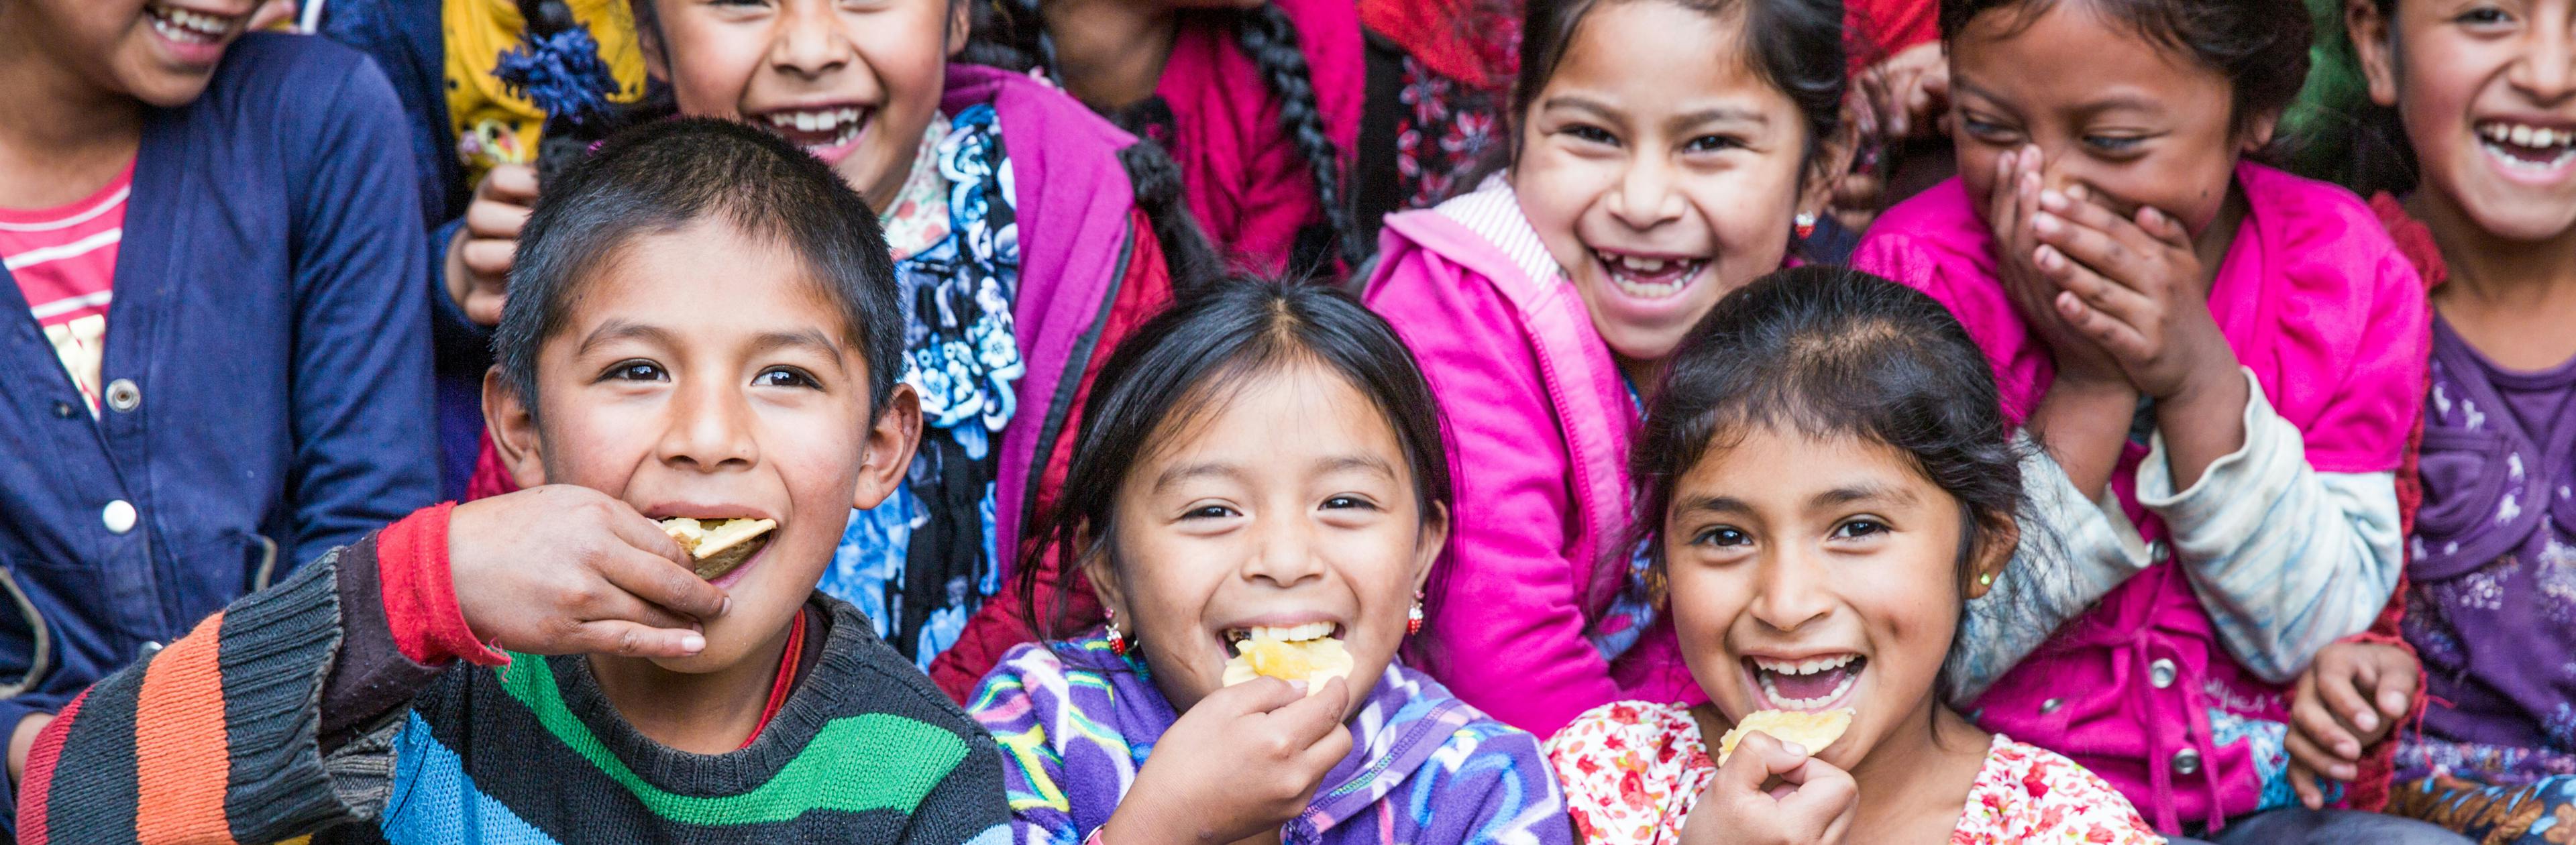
(267, 372)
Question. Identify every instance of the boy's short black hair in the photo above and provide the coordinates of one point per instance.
(662, 176)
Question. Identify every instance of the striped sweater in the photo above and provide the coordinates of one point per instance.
(293, 712)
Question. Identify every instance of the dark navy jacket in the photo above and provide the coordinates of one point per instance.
(270, 341)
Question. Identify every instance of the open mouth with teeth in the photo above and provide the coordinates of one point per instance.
(1814, 683)
(186, 27)
(819, 129)
(1647, 277)
(2524, 146)
(719, 546)
(1310, 652)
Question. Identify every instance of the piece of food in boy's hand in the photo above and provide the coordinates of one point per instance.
(718, 545)
(1812, 730)
(1306, 653)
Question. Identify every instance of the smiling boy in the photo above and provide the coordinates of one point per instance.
(704, 327)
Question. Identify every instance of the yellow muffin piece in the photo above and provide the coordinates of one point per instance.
(1814, 730)
(1312, 661)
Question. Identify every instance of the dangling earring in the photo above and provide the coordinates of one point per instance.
(1804, 224)
(1413, 617)
(1117, 641)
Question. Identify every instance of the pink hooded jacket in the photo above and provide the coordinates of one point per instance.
(1539, 423)
(2150, 687)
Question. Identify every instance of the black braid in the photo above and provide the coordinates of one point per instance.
(1269, 38)
(1187, 254)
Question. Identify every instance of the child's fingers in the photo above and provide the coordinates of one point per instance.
(1308, 719)
(496, 220)
(2164, 229)
(2304, 782)
(2110, 297)
(644, 534)
(1823, 792)
(2094, 247)
(1757, 758)
(2002, 203)
(488, 257)
(663, 583)
(2305, 751)
(629, 639)
(2118, 338)
(2343, 696)
(511, 183)
(2321, 729)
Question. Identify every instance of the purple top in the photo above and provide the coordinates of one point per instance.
(2493, 590)
(1075, 723)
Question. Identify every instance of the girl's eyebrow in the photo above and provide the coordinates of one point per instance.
(1866, 492)
(811, 340)
(1721, 114)
(1704, 503)
(1582, 103)
(1362, 463)
(622, 329)
(1184, 472)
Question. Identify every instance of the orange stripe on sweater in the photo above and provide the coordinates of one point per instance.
(182, 761)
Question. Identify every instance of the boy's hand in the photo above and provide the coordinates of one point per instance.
(1813, 805)
(1242, 762)
(567, 570)
(478, 260)
(2133, 286)
(2350, 698)
(2018, 260)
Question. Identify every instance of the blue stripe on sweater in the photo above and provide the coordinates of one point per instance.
(435, 803)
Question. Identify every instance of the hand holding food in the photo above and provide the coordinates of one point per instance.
(559, 569)
(1239, 763)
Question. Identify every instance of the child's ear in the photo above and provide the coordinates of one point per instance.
(1427, 547)
(960, 25)
(887, 455)
(1103, 577)
(1832, 159)
(2370, 42)
(648, 40)
(512, 423)
(2259, 132)
(2003, 538)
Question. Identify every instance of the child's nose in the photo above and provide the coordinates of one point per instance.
(709, 429)
(808, 40)
(1285, 555)
(1789, 593)
(1646, 195)
(2547, 70)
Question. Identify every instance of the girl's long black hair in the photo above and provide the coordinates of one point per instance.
(1184, 364)
(1010, 34)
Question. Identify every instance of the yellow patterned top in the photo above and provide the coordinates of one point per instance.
(494, 126)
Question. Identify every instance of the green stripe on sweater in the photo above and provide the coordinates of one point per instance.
(817, 779)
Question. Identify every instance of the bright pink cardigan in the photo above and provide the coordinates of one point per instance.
(1539, 424)
(1244, 177)
(2330, 316)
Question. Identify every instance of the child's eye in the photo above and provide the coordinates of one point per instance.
(1985, 130)
(1713, 143)
(1590, 133)
(784, 377)
(635, 371)
(1857, 528)
(1208, 512)
(1348, 502)
(2113, 143)
(1722, 536)
(2483, 16)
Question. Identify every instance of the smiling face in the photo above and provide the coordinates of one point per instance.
(758, 409)
(853, 82)
(2482, 88)
(1661, 173)
(161, 52)
(1815, 574)
(2138, 124)
(1290, 503)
